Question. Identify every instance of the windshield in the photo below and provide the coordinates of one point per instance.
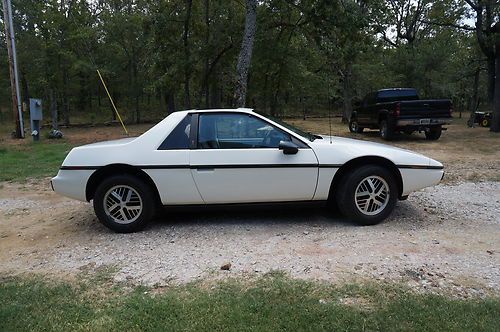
(309, 136)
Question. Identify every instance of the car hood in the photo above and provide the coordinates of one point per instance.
(342, 149)
(356, 143)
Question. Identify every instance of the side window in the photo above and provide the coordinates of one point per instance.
(178, 139)
(237, 131)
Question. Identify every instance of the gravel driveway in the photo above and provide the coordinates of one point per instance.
(445, 238)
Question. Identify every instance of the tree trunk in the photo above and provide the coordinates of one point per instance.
(245, 56)
(215, 96)
(53, 110)
(485, 34)
(65, 98)
(347, 93)
(491, 80)
(136, 89)
(495, 122)
(187, 65)
(474, 101)
(26, 92)
(204, 89)
(169, 100)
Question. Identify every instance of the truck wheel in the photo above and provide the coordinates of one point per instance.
(124, 203)
(386, 132)
(354, 127)
(368, 194)
(433, 133)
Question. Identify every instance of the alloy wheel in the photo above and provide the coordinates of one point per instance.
(372, 195)
(123, 204)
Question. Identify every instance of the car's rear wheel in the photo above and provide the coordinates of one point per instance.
(368, 195)
(124, 203)
(386, 131)
(354, 126)
(433, 133)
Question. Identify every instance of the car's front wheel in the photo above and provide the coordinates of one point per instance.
(124, 203)
(368, 194)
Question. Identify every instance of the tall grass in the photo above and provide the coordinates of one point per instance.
(273, 303)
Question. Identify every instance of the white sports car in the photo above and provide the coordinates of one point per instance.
(228, 156)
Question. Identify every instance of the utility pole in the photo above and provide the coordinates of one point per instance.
(14, 79)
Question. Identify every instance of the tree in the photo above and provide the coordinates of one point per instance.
(495, 124)
(245, 56)
(486, 12)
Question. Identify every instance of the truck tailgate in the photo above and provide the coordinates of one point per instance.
(425, 109)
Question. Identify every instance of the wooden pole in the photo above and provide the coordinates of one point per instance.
(14, 79)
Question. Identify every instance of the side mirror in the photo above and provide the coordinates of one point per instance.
(288, 147)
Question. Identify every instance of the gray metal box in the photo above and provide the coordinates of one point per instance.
(36, 109)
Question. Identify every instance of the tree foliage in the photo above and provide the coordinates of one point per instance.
(309, 56)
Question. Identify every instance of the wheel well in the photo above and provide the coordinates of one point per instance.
(117, 169)
(362, 161)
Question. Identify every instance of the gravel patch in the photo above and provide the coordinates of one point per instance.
(442, 238)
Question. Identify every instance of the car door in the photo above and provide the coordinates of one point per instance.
(237, 160)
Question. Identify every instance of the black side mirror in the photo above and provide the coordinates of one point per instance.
(288, 147)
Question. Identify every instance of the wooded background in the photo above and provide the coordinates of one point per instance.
(311, 56)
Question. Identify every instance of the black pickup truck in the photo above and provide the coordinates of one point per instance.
(400, 110)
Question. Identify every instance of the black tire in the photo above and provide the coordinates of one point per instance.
(354, 127)
(386, 131)
(346, 195)
(485, 122)
(142, 190)
(433, 133)
(470, 123)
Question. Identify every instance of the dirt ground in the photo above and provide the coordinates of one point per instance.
(442, 239)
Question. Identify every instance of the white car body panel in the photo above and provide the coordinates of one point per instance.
(72, 184)
(262, 181)
(210, 176)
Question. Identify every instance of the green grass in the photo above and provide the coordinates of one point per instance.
(272, 303)
(34, 160)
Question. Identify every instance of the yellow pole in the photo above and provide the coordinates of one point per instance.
(112, 103)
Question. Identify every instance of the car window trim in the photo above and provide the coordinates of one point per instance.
(196, 124)
(193, 134)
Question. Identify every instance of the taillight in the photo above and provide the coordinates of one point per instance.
(397, 109)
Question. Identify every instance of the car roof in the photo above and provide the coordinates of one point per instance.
(218, 110)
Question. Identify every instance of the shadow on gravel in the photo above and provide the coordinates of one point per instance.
(406, 216)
